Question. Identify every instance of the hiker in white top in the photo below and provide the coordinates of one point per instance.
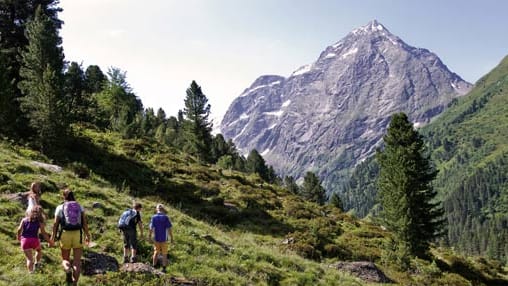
(34, 196)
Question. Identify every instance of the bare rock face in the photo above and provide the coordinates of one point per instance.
(331, 114)
(367, 271)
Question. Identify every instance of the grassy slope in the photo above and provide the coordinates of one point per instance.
(480, 133)
(215, 245)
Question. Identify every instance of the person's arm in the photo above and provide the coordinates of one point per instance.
(170, 232)
(140, 226)
(18, 233)
(56, 223)
(84, 222)
(150, 232)
(42, 230)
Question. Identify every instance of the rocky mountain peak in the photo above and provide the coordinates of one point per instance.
(330, 114)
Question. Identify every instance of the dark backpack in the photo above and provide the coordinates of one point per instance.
(126, 218)
(71, 219)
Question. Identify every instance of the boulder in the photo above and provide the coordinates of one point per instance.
(365, 270)
(139, 267)
(48, 167)
(98, 263)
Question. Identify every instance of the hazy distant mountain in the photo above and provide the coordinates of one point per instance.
(329, 115)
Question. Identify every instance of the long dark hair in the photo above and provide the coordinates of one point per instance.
(68, 195)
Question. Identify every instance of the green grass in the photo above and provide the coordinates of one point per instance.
(214, 244)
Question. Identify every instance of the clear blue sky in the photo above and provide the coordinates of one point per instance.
(226, 44)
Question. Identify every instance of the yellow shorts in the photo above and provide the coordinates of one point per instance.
(161, 247)
(70, 239)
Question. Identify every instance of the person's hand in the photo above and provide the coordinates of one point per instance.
(18, 237)
(87, 239)
(51, 243)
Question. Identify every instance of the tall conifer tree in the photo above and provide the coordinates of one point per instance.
(256, 164)
(197, 127)
(312, 189)
(14, 16)
(405, 190)
(41, 80)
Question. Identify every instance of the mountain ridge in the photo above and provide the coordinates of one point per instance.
(329, 115)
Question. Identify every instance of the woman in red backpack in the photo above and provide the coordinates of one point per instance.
(28, 235)
(70, 217)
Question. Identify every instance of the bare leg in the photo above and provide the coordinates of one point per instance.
(38, 255)
(133, 252)
(154, 257)
(164, 260)
(66, 260)
(29, 259)
(78, 252)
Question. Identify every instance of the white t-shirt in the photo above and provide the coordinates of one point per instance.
(31, 204)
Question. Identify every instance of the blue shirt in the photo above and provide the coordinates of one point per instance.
(160, 223)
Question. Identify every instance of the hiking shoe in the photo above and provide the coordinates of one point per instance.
(133, 259)
(125, 259)
(68, 277)
(163, 270)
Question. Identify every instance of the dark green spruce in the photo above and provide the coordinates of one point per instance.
(42, 81)
(14, 18)
(197, 127)
(405, 190)
(312, 189)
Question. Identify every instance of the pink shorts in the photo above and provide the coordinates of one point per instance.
(30, 243)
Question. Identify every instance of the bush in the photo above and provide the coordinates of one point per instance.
(80, 169)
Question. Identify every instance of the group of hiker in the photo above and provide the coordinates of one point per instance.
(70, 227)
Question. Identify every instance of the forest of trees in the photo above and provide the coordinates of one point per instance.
(42, 96)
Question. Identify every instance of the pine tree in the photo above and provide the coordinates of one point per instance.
(256, 164)
(95, 80)
(336, 201)
(312, 190)
(14, 17)
(42, 79)
(219, 147)
(290, 185)
(197, 128)
(75, 93)
(118, 105)
(405, 191)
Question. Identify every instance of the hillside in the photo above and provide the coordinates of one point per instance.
(230, 228)
(469, 146)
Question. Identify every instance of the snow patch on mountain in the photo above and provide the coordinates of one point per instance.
(349, 53)
(302, 70)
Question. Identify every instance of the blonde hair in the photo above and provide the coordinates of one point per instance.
(36, 213)
(160, 207)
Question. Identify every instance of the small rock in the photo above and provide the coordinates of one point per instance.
(182, 281)
(289, 240)
(231, 207)
(96, 205)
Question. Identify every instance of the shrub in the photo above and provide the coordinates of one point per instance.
(80, 169)
(4, 178)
